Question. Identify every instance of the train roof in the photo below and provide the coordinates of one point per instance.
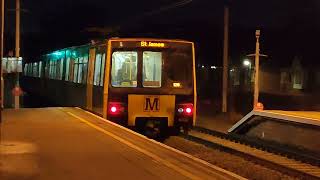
(303, 117)
(102, 42)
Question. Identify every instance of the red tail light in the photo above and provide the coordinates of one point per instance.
(185, 109)
(188, 110)
(113, 109)
(116, 108)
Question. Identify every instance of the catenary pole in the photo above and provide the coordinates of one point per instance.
(225, 60)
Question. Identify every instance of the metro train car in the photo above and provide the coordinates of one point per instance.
(147, 84)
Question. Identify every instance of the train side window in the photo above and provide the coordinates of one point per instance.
(28, 67)
(71, 70)
(30, 70)
(46, 69)
(54, 70)
(124, 69)
(25, 69)
(75, 70)
(84, 70)
(102, 69)
(80, 65)
(61, 69)
(67, 69)
(55, 67)
(35, 69)
(57, 70)
(152, 69)
(40, 69)
(97, 70)
(51, 68)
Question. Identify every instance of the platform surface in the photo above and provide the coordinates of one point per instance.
(70, 143)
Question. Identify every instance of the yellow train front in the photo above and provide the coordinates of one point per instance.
(148, 84)
(151, 84)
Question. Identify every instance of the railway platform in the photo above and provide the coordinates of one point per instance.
(69, 143)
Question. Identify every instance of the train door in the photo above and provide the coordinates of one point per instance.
(92, 57)
(95, 81)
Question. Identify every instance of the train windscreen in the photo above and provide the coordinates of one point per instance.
(159, 65)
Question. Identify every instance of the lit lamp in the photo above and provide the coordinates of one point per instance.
(247, 63)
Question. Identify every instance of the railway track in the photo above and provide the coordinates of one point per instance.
(282, 159)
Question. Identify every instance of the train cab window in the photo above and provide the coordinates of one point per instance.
(124, 69)
(152, 69)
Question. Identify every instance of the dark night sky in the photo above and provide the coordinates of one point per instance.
(289, 28)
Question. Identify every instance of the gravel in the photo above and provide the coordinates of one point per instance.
(233, 163)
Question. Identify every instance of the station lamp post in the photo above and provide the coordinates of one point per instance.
(257, 56)
(256, 77)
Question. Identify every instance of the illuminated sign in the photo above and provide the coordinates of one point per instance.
(152, 44)
(177, 85)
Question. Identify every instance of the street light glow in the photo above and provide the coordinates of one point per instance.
(213, 67)
(246, 62)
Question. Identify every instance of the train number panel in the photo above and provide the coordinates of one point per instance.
(148, 106)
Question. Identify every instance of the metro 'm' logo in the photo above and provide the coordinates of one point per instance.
(152, 104)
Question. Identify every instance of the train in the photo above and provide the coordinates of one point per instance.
(143, 83)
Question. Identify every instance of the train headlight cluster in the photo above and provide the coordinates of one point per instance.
(180, 110)
(185, 109)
